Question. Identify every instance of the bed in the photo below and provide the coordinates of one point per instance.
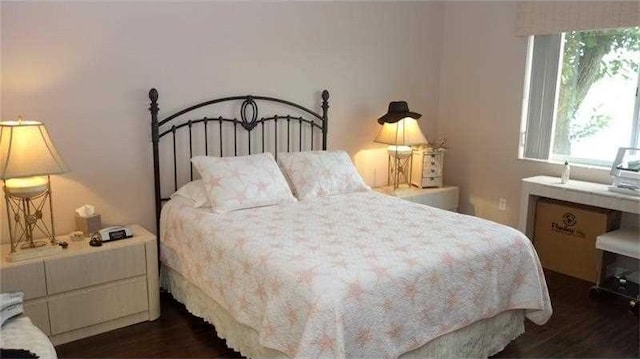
(357, 274)
(20, 333)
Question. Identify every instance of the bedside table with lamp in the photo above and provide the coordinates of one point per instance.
(84, 290)
(27, 159)
(410, 164)
(71, 290)
(400, 131)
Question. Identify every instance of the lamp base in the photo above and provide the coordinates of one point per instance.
(399, 169)
(35, 244)
(31, 253)
(26, 204)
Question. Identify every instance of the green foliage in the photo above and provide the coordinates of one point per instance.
(595, 124)
(582, 66)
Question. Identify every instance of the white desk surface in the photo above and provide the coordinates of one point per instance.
(580, 186)
(589, 193)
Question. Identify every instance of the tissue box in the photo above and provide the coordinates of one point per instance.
(88, 225)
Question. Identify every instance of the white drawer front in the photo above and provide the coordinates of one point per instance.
(432, 171)
(431, 181)
(38, 312)
(434, 157)
(98, 304)
(432, 164)
(445, 198)
(27, 278)
(69, 273)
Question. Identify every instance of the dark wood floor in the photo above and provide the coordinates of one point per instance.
(580, 327)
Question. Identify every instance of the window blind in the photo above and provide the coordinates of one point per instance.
(551, 17)
(543, 88)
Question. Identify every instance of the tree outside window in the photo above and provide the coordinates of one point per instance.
(597, 94)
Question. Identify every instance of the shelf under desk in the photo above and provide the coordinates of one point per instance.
(588, 193)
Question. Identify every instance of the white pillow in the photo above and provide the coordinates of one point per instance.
(193, 191)
(233, 183)
(321, 173)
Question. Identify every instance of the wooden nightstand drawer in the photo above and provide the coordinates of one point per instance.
(444, 197)
(431, 182)
(38, 312)
(83, 290)
(432, 162)
(430, 172)
(27, 278)
(98, 304)
(68, 273)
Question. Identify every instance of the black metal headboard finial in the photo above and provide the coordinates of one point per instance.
(153, 108)
(325, 116)
(269, 127)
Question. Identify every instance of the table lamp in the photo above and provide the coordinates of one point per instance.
(400, 131)
(27, 159)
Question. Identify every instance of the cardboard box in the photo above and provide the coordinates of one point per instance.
(565, 236)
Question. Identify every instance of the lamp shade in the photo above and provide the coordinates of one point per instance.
(405, 132)
(26, 150)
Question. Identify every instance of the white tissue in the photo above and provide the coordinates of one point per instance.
(86, 211)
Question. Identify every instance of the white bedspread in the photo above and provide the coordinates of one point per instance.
(357, 275)
(20, 333)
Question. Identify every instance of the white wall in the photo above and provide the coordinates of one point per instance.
(3, 212)
(481, 88)
(84, 69)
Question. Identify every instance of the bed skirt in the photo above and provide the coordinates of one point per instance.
(478, 340)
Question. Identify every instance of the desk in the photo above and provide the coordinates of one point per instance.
(592, 194)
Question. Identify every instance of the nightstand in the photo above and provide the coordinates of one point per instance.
(84, 290)
(444, 197)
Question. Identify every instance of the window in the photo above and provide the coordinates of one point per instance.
(582, 99)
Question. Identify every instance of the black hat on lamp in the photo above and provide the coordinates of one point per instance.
(400, 131)
(397, 111)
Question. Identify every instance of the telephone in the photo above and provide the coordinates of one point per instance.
(114, 233)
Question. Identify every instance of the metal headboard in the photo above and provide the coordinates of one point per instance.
(170, 125)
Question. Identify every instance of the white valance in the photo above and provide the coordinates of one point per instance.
(550, 17)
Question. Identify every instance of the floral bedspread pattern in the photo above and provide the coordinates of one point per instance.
(354, 275)
(320, 173)
(233, 183)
